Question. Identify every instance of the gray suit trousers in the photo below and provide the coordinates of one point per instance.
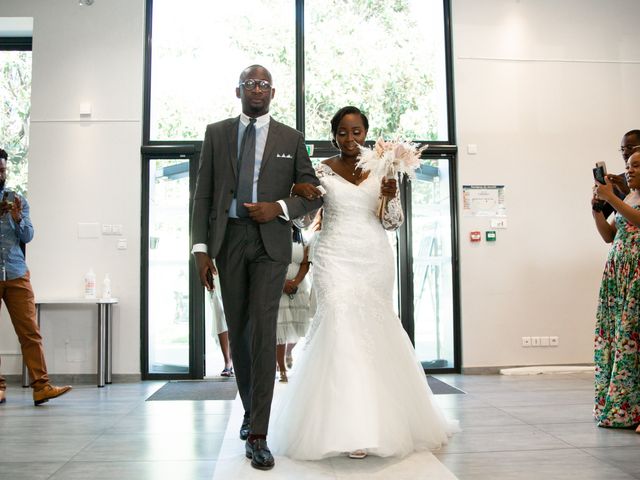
(251, 284)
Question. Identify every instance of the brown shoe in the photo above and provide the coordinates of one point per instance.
(48, 392)
(2, 397)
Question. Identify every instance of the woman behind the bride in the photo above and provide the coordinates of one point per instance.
(358, 388)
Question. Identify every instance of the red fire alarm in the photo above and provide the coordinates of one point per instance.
(475, 236)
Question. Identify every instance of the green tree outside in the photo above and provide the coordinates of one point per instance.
(15, 111)
(374, 54)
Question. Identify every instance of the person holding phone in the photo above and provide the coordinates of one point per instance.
(16, 292)
(630, 144)
(617, 332)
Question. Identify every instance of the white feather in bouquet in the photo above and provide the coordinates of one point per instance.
(388, 159)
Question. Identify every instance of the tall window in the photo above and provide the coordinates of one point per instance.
(387, 58)
(199, 49)
(384, 57)
(15, 110)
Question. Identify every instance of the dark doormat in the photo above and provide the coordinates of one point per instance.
(214, 389)
(438, 387)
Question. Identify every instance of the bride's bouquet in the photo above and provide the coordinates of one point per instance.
(388, 159)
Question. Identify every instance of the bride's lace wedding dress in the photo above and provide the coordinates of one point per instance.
(357, 384)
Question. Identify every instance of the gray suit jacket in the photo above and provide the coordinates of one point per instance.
(285, 161)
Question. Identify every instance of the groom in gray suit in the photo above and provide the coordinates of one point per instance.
(241, 217)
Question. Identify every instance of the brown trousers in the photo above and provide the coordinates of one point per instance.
(17, 295)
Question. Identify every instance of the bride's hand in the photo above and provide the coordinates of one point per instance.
(306, 190)
(290, 287)
(388, 188)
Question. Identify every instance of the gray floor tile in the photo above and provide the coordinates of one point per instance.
(21, 426)
(502, 438)
(547, 397)
(152, 447)
(581, 413)
(460, 401)
(534, 427)
(154, 424)
(624, 458)
(178, 407)
(157, 470)
(28, 470)
(589, 435)
(570, 464)
(481, 417)
(49, 448)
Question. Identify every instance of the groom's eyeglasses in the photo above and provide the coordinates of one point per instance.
(250, 84)
(628, 148)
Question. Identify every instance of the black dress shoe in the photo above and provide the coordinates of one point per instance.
(245, 429)
(259, 453)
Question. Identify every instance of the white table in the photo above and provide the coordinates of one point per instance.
(104, 332)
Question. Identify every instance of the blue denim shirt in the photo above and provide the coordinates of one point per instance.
(11, 234)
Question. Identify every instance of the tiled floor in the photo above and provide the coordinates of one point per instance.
(533, 427)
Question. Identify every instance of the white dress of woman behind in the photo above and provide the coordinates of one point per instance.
(358, 385)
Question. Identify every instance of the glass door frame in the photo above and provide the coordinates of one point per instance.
(405, 263)
(446, 149)
(196, 292)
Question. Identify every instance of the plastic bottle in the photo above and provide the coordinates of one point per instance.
(106, 287)
(90, 284)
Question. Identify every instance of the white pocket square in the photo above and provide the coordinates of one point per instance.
(284, 155)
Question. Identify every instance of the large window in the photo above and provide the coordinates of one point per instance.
(15, 109)
(384, 57)
(387, 58)
(391, 58)
(199, 49)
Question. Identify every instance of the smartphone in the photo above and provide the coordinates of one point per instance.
(9, 197)
(600, 172)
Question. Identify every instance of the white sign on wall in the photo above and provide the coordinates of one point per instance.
(483, 201)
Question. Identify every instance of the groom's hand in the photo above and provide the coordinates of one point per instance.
(263, 212)
(206, 269)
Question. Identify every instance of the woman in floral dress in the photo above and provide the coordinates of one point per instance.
(617, 339)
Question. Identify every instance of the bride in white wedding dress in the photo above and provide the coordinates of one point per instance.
(357, 387)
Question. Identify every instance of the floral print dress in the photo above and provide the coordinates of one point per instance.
(617, 359)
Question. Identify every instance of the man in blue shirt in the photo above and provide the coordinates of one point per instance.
(16, 291)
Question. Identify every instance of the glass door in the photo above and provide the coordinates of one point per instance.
(432, 301)
(169, 325)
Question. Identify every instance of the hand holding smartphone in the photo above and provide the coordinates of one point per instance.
(600, 173)
(9, 197)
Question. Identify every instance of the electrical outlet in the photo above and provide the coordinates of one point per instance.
(544, 341)
(554, 341)
(535, 341)
(526, 341)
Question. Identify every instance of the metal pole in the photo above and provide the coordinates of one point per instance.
(102, 344)
(109, 350)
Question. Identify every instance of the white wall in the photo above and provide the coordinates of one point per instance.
(84, 171)
(545, 89)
